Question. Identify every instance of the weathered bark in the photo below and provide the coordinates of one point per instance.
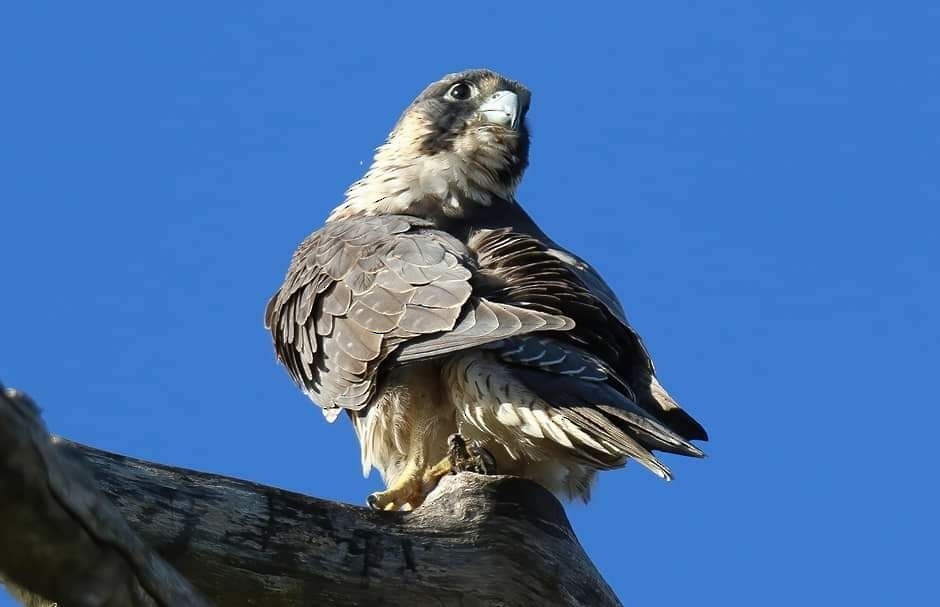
(476, 541)
(61, 539)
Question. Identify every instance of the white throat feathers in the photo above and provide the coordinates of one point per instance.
(406, 178)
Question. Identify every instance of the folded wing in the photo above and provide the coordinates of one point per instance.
(362, 290)
(531, 271)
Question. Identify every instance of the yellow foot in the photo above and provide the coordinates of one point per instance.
(405, 494)
(410, 489)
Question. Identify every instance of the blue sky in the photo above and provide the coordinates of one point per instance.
(758, 183)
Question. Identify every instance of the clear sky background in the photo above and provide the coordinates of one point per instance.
(758, 181)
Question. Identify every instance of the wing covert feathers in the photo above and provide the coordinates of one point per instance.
(363, 289)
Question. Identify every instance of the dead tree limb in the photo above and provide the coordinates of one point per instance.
(61, 539)
(476, 541)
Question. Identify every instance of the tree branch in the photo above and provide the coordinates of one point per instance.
(476, 541)
(60, 538)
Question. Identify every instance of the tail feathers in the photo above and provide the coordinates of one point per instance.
(617, 443)
(618, 427)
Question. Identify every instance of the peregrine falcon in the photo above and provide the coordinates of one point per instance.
(452, 331)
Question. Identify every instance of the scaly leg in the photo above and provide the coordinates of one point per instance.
(412, 435)
(412, 486)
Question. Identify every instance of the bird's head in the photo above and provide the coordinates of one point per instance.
(463, 143)
(476, 118)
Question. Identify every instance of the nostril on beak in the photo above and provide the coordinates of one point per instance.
(502, 108)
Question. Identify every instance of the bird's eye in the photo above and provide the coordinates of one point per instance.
(460, 91)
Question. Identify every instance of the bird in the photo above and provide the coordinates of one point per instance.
(452, 331)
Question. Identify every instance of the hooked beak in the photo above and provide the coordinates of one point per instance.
(502, 108)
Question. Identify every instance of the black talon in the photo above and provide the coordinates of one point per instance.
(483, 460)
(473, 459)
(457, 444)
(458, 452)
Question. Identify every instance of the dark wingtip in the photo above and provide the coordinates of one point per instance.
(684, 425)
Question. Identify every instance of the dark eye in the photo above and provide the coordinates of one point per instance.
(460, 91)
